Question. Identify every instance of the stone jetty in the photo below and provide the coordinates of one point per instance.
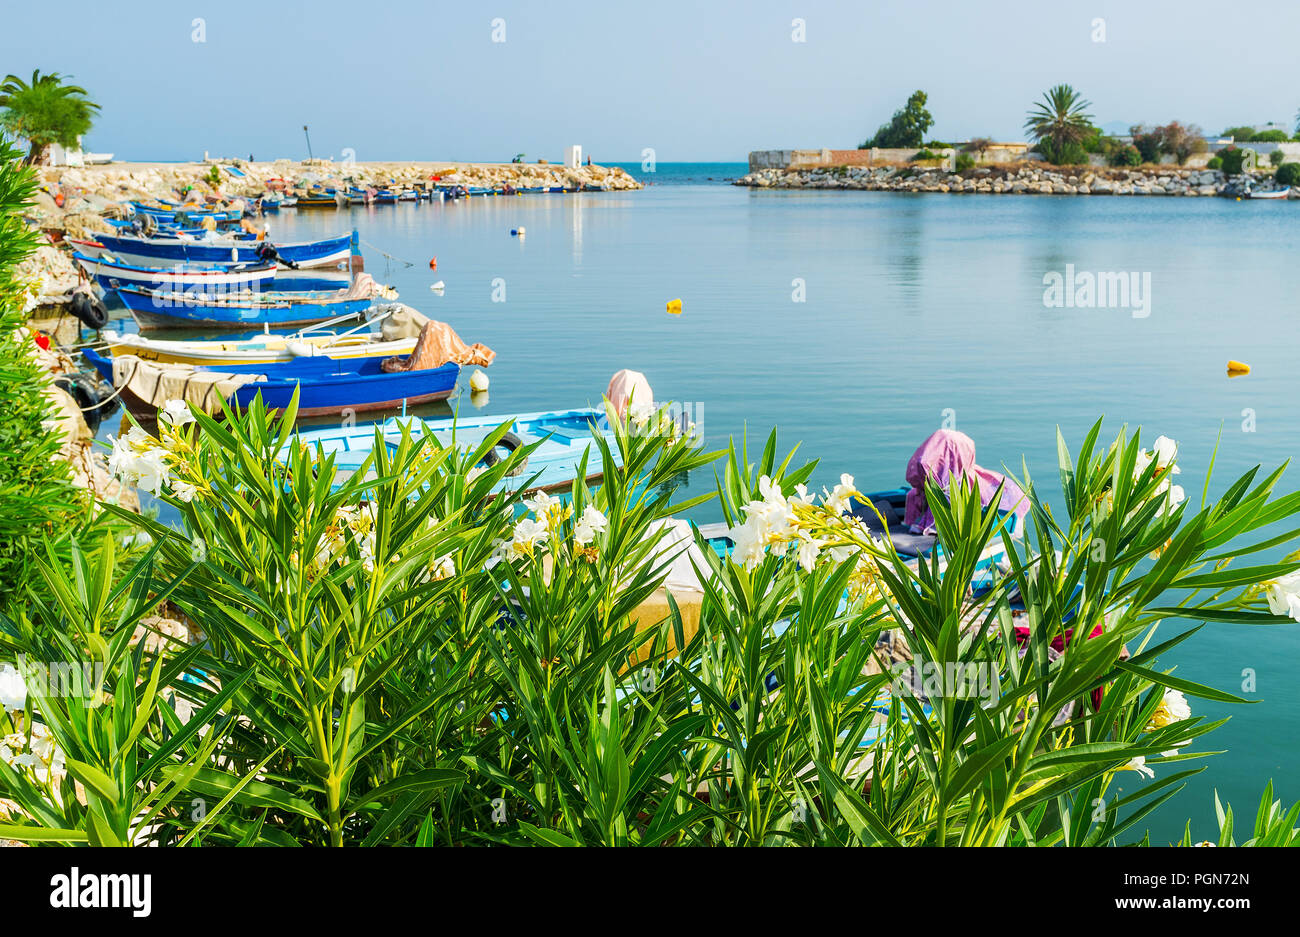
(1017, 179)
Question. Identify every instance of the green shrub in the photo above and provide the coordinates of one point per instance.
(35, 495)
(965, 161)
(1214, 162)
(1065, 154)
(922, 155)
(1270, 136)
(1288, 174)
(431, 669)
(1126, 156)
(1233, 159)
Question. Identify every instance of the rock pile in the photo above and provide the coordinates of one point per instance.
(1020, 179)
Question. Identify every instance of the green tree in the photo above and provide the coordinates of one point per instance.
(1149, 142)
(1181, 141)
(906, 128)
(1060, 123)
(1240, 134)
(45, 111)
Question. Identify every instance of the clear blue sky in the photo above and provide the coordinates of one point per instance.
(694, 80)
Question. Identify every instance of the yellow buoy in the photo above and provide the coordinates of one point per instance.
(1237, 368)
(674, 307)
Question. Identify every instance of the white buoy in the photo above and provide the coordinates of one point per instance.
(478, 381)
(438, 287)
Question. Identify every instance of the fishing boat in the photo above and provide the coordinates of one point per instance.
(408, 195)
(315, 199)
(564, 437)
(324, 385)
(111, 273)
(289, 201)
(261, 349)
(385, 196)
(1277, 193)
(213, 250)
(155, 309)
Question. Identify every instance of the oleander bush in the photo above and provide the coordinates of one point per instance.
(409, 656)
(36, 497)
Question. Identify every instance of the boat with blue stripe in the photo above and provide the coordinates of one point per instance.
(158, 309)
(218, 250)
(326, 386)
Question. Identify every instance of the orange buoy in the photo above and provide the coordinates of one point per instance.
(1237, 368)
(58, 200)
(433, 264)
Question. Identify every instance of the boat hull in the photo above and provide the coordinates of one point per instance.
(158, 311)
(563, 437)
(156, 251)
(270, 349)
(110, 275)
(326, 386)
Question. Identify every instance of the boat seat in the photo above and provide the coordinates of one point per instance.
(905, 541)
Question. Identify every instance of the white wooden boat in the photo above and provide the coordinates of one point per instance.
(1279, 193)
(263, 349)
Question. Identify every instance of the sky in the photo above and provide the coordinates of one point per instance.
(693, 81)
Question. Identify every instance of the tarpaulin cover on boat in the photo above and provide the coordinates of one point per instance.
(155, 383)
(626, 385)
(946, 455)
(439, 344)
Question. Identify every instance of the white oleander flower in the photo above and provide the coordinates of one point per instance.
(177, 413)
(13, 688)
(184, 490)
(444, 567)
(1283, 595)
(749, 541)
(589, 524)
(808, 550)
(839, 500)
(1139, 764)
(526, 535)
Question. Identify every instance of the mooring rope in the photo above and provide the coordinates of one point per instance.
(387, 255)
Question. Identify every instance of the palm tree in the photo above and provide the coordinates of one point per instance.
(1060, 119)
(44, 111)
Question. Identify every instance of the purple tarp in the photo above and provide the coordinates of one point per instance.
(948, 454)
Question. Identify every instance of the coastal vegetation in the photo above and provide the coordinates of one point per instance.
(36, 497)
(1059, 124)
(44, 111)
(407, 656)
(906, 128)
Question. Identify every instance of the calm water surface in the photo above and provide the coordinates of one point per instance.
(916, 307)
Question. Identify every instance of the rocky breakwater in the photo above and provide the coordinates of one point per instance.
(1022, 179)
(73, 200)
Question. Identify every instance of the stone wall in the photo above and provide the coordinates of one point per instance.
(814, 159)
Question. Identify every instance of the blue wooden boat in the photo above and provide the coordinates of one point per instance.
(153, 251)
(386, 196)
(155, 309)
(170, 211)
(326, 385)
(110, 273)
(564, 437)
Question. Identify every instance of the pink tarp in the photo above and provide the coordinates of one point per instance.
(626, 385)
(946, 455)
